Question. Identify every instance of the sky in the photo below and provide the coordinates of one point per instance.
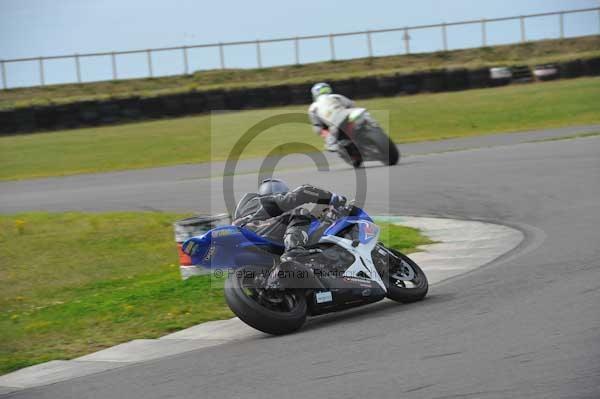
(33, 28)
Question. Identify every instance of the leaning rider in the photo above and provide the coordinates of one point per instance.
(276, 213)
(329, 112)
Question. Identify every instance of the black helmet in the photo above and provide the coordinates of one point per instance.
(272, 186)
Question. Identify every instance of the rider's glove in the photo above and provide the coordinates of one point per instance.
(337, 200)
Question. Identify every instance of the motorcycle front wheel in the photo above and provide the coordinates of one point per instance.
(384, 146)
(274, 312)
(404, 279)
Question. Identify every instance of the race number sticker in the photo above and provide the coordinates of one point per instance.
(324, 297)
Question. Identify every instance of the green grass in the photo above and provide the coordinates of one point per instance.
(74, 283)
(405, 239)
(188, 140)
(531, 53)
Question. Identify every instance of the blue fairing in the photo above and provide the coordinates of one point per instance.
(232, 246)
(361, 214)
(314, 225)
(343, 223)
(367, 230)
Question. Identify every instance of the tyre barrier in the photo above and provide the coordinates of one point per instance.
(546, 72)
(235, 99)
(173, 105)
(457, 79)
(7, 122)
(411, 83)
(215, 100)
(130, 108)
(592, 66)
(280, 95)
(191, 227)
(152, 107)
(500, 76)
(345, 87)
(25, 119)
(434, 81)
(46, 116)
(109, 112)
(258, 97)
(67, 116)
(571, 69)
(479, 78)
(300, 94)
(194, 102)
(365, 88)
(521, 74)
(388, 86)
(88, 113)
(240, 99)
(102, 112)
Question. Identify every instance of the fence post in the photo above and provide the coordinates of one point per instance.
(369, 44)
(561, 20)
(332, 47)
(258, 55)
(4, 82)
(406, 38)
(483, 33)
(444, 36)
(523, 38)
(297, 50)
(77, 68)
(149, 57)
(41, 63)
(186, 69)
(222, 55)
(599, 21)
(114, 65)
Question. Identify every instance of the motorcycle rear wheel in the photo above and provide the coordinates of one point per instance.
(270, 311)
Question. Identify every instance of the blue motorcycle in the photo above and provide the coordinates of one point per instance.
(346, 266)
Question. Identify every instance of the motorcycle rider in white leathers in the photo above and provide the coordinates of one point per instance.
(329, 112)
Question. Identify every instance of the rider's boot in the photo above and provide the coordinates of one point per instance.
(331, 143)
(295, 240)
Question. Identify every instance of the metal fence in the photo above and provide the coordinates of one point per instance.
(259, 44)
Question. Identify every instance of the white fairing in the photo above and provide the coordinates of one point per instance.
(362, 251)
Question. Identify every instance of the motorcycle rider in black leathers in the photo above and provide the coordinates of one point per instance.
(278, 214)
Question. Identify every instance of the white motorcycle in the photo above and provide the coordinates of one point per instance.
(362, 139)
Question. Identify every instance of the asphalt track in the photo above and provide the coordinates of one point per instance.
(525, 326)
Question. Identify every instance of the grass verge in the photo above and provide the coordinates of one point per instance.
(75, 283)
(211, 137)
(530, 53)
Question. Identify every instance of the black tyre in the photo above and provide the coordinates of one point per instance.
(349, 153)
(270, 311)
(404, 279)
(385, 146)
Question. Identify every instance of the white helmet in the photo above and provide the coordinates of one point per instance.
(320, 88)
